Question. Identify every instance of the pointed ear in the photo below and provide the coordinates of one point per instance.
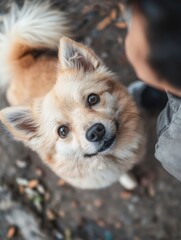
(19, 122)
(73, 55)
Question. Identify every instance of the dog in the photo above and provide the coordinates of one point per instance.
(65, 103)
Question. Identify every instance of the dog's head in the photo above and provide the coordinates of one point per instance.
(86, 125)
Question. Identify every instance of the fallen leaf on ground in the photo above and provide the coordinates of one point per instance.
(33, 183)
(11, 232)
(125, 195)
(121, 25)
(107, 20)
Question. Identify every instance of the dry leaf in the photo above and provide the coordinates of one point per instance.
(121, 25)
(107, 20)
(125, 195)
(50, 215)
(113, 14)
(61, 182)
(11, 232)
(33, 183)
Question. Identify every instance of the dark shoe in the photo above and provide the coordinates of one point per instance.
(147, 97)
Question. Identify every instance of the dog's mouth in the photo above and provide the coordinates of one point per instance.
(107, 144)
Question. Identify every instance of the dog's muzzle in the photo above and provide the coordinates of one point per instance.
(97, 134)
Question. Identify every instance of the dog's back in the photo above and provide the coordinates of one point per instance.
(27, 35)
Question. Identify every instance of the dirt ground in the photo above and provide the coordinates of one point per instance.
(36, 205)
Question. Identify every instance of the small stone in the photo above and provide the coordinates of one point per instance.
(58, 236)
(30, 193)
(41, 189)
(128, 181)
(21, 164)
(22, 181)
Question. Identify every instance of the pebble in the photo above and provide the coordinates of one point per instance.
(58, 236)
(128, 181)
(22, 181)
(41, 189)
(21, 163)
(30, 193)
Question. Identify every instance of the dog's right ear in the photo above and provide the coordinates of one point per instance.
(73, 55)
(20, 123)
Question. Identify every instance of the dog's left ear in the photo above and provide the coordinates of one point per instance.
(73, 55)
(20, 123)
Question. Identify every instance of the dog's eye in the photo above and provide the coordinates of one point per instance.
(63, 131)
(93, 99)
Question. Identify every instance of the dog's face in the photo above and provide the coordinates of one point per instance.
(86, 126)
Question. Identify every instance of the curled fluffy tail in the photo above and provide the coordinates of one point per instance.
(34, 25)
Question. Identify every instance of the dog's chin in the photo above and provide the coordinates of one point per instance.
(107, 145)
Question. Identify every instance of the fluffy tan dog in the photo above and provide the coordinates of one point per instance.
(70, 109)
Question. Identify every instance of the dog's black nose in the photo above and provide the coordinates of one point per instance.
(96, 132)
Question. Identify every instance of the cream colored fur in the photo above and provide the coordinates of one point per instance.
(50, 92)
(35, 24)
